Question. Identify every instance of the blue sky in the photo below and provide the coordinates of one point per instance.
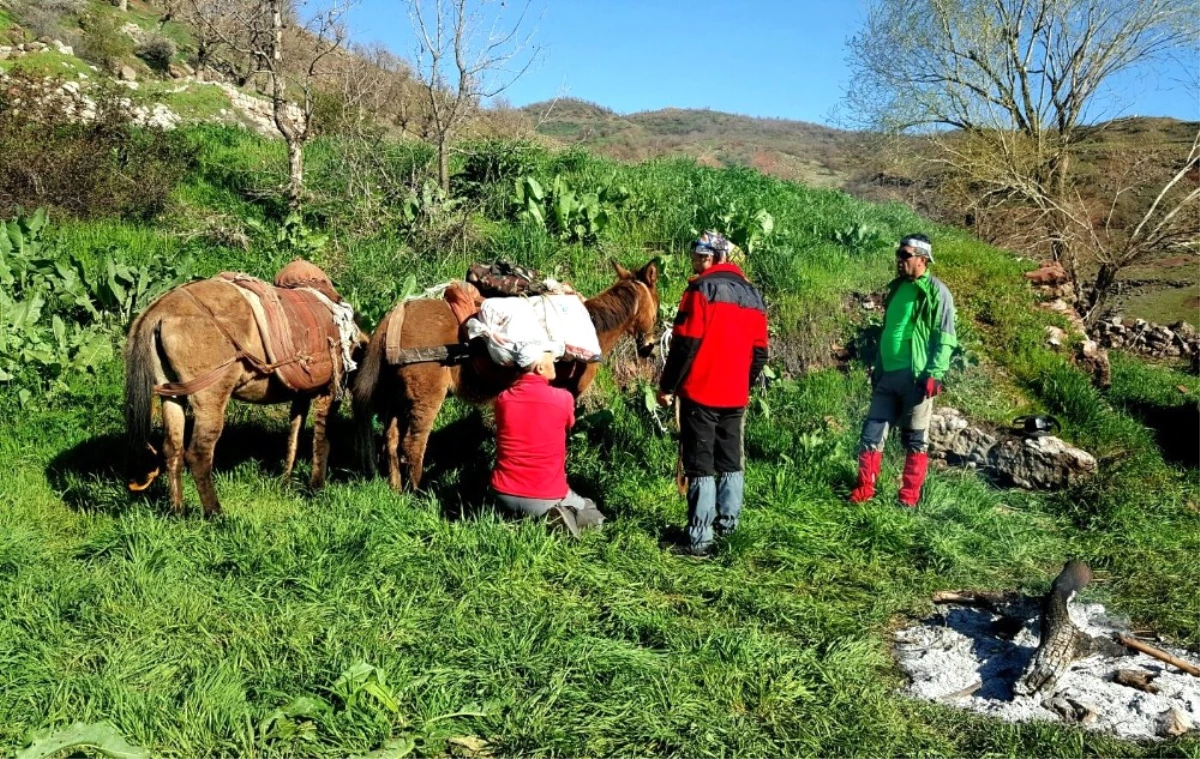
(777, 58)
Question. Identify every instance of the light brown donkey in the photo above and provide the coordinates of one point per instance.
(199, 345)
(408, 396)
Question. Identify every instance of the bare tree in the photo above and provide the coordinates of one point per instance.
(1003, 88)
(465, 55)
(289, 53)
(1146, 214)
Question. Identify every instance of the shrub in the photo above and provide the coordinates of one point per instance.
(157, 51)
(103, 42)
(47, 18)
(102, 166)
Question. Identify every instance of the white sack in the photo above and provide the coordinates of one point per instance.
(519, 330)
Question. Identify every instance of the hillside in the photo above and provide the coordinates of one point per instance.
(812, 154)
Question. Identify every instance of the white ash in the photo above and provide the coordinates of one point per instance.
(950, 652)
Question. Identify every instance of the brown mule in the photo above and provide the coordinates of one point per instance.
(197, 346)
(408, 397)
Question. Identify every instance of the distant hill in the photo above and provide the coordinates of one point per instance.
(797, 150)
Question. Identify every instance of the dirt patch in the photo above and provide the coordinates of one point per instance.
(947, 655)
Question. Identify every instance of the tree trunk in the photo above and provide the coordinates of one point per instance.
(1102, 287)
(123, 5)
(444, 162)
(295, 173)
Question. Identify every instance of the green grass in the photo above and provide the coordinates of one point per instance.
(187, 635)
(48, 63)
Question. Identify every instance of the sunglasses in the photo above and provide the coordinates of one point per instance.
(904, 255)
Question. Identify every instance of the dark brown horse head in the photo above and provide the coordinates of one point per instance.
(644, 320)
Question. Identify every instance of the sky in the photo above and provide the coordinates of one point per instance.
(771, 58)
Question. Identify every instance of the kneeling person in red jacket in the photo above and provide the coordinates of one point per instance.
(718, 350)
(530, 476)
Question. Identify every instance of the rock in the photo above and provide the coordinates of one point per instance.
(45, 39)
(176, 71)
(1093, 359)
(63, 49)
(1184, 330)
(34, 47)
(132, 31)
(1046, 463)
(1055, 336)
(1175, 722)
(1048, 275)
(126, 73)
(5, 53)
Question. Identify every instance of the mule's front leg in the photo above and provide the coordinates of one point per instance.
(299, 412)
(326, 407)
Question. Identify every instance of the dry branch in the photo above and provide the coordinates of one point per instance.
(1157, 653)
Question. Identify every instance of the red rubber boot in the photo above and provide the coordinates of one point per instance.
(869, 463)
(915, 467)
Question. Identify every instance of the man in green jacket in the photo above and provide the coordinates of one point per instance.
(914, 354)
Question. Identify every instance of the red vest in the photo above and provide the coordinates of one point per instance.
(532, 419)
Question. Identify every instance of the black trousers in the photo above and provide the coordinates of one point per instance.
(711, 439)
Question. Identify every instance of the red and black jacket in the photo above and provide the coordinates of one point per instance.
(719, 343)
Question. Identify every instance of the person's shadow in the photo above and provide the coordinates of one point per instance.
(458, 467)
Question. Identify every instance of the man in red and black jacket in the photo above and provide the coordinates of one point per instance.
(718, 350)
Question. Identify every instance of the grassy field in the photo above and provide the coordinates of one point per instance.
(356, 620)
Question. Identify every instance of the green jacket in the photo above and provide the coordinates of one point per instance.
(933, 338)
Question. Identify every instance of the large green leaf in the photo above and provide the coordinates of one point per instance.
(96, 351)
(99, 739)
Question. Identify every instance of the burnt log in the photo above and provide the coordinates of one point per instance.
(1061, 641)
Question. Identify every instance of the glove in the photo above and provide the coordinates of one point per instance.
(930, 387)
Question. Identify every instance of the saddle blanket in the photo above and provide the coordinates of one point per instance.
(308, 336)
(519, 330)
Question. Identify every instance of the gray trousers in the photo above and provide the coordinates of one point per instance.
(896, 399)
(586, 513)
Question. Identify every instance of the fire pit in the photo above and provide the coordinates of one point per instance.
(983, 652)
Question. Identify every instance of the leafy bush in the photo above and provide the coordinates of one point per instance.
(157, 51)
(747, 226)
(571, 215)
(56, 318)
(103, 166)
(103, 42)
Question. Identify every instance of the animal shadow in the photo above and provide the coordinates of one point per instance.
(91, 476)
(1001, 661)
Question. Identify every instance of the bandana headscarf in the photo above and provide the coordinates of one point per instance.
(716, 245)
(923, 248)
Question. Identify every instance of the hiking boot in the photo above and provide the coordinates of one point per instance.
(702, 551)
(562, 518)
(869, 464)
(916, 465)
(590, 518)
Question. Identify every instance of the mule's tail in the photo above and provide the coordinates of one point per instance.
(365, 385)
(140, 377)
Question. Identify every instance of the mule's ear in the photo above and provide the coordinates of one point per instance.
(622, 272)
(649, 273)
